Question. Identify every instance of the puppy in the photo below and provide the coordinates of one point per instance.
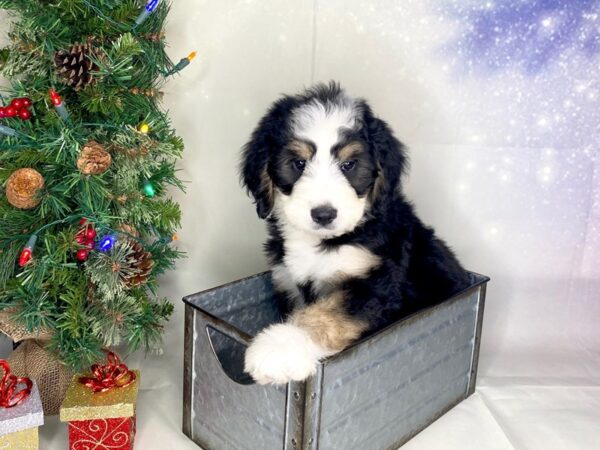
(348, 254)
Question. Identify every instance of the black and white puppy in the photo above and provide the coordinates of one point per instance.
(348, 254)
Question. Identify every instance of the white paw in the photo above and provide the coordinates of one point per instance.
(282, 353)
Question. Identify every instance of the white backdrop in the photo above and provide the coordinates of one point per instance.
(498, 104)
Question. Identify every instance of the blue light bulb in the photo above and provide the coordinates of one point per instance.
(106, 243)
(151, 5)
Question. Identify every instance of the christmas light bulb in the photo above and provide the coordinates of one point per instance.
(149, 189)
(27, 251)
(7, 131)
(107, 242)
(56, 100)
(174, 237)
(58, 105)
(183, 63)
(151, 5)
(144, 128)
(148, 9)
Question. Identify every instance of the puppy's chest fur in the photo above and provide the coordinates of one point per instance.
(306, 264)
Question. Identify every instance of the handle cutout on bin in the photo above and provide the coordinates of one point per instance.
(230, 355)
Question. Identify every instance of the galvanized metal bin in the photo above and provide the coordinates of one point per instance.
(374, 395)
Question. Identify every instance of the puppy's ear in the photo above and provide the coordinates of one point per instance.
(389, 154)
(270, 136)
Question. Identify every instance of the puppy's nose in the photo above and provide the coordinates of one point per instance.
(323, 215)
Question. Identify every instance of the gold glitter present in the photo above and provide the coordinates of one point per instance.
(23, 440)
(81, 403)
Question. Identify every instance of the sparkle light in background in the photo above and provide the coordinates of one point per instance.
(536, 123)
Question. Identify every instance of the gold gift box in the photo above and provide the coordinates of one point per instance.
(22, 440)
(81, 403)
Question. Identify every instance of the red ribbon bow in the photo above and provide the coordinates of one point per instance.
(9, 396)
(114, 374)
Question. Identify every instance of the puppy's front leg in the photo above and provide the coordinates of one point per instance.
(292, 350)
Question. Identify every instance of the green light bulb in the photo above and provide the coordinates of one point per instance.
(149, 189)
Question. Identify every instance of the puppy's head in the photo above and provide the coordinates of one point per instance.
(322, 162)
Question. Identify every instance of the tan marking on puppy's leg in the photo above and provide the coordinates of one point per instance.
(328, 324)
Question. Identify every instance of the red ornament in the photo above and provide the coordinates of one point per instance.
(90, 244)
(82, 221)
(10, 111)
(17, 103)
(80, 239)
(24, 114)
(2, 112)
(26, 102)
(82, 254)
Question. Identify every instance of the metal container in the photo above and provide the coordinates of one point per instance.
(374, 395)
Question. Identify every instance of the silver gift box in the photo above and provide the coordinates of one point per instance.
(25, 415)
(376, 394)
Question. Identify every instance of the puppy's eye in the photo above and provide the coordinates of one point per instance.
(299, 164)
(348, 165)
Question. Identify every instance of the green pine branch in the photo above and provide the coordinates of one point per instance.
(88, 305)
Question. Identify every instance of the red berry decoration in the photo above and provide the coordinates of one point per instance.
(82, 254)
(10, 111)
(24, 114)
(90, 233)
(17, 103)
(19, 107)
(85, 236)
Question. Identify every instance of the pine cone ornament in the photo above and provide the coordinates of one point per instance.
(129, 229)
(136, 268)
(75, 65)
(93, 159)
(22, 188)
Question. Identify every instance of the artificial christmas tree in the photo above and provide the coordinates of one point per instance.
(86, 157)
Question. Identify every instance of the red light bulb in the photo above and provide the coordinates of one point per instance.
(56, 100)
(25, 257)
(27, 251)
